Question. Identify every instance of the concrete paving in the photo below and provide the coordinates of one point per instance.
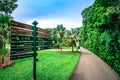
(91, 67)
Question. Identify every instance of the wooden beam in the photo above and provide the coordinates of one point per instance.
(15, 30)
(21, 25)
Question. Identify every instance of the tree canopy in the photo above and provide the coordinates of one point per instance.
(8, 6)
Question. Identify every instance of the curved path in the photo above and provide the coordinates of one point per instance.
(91, 67)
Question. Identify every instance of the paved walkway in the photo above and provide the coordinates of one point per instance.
(91, 67)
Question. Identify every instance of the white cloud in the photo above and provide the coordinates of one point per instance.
(53, 22)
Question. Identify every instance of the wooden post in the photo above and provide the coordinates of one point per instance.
(35, 53)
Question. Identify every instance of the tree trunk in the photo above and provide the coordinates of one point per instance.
(76, 48)
(60, 45)
(2, 60)
(0, 57)
(77, 45)
(72, 47)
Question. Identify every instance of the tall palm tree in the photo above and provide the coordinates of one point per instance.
(6, 8)
(75, 37)
(67, 41)
(53, 37)
(5, 21)
(60, 34)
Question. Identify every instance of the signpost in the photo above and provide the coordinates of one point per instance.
(26, 40)
(35, 54)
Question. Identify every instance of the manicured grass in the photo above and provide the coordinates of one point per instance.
(51, 66)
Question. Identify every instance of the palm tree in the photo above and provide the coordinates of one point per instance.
(53, 37)
(67, 41)
(5, 21)
(7, 7)
(75, 37)
(60, 34)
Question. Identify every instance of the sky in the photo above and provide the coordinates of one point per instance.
(50, 13)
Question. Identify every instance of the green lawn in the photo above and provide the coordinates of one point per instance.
(51, 66)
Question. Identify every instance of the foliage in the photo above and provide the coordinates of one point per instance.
(2, 43)
(50, 66)
(5, 21)
(61, 37)
(4, 52)
(101, 31)
(57, 36)
(60, 34)
(75, 38)
(8, 6)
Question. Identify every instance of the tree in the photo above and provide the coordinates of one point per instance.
(75, 37)
(62, 37)
(60, 34)
(5, 21)
(8, 6)
(53, 37)
(67, 40)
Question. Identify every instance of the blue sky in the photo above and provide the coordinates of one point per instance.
(49, 13)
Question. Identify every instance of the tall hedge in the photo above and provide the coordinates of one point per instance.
(100, 32)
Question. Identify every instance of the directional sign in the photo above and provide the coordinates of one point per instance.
(19, 56)
(16, 30)
(26, 40)
(21, 38)
(21, 25)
